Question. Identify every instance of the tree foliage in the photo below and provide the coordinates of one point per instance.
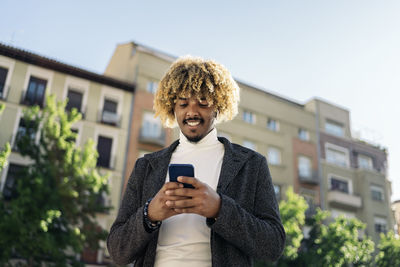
(389, 250)
(293, 217)
(337, 243)
(51, 218)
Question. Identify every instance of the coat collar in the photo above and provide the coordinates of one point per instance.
(234, 158)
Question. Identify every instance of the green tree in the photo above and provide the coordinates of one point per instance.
(336, 244)
(292, 212)
(52, 216)
(6, 151)
(389, 251)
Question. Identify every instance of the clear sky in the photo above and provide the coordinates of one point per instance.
(346, 52)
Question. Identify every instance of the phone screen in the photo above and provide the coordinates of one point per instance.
(176, 170)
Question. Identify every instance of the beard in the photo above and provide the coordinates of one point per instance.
(194, 139)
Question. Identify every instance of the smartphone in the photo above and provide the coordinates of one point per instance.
(176, 170)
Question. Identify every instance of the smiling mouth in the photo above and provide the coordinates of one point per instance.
(193, 123)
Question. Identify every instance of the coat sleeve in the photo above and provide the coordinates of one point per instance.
(259, 234)
(128, 238)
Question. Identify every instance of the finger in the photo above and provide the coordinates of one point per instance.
(173, 198)
(185, 210)
(190, 180)
(172, 185)
(183, 203)
(184, 192)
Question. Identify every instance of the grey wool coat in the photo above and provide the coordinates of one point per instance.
(248, 226)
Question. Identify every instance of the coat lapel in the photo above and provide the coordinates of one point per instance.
(232, 163)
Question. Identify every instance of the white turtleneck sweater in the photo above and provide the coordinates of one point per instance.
(184, 239)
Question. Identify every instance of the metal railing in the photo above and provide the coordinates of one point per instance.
(110, 118)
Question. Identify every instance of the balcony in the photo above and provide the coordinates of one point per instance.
(110, 118)
(311, 179)
(344, 199)
(152, 138)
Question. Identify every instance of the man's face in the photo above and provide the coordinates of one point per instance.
(195, 118)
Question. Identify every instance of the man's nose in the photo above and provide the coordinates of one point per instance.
(192, 109)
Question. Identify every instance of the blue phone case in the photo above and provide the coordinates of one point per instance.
(176, 170)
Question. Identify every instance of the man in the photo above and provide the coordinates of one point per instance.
(231, 217)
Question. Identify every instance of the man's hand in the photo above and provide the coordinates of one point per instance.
(202, 200)
(158, 210)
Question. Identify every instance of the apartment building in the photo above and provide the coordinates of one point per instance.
(105, 103)
(353, 172)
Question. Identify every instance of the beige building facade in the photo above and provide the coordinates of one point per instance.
(105, 103)
(353, 172)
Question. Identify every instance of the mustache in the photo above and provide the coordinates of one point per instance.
(193, 119)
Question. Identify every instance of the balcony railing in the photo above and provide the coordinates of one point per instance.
(344, 199)
(25, 100)
(313, 178)
(110, 118)
(155, 139)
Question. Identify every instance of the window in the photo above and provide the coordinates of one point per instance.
(104, 145)
(274, 156)
(334, 128)
(9, 189)
(249, 144)
(24, 129)
(273, 125)
(152, 87)
(341, 185)
(304, 166)
(109, 114)
(249, 117)
(151, 127)
(336, 155)
(380, 225)
(277, 190)
(303, 134)
(377, 193)
(35, 92)
(74, 100)
(3, 76)
(364, 162)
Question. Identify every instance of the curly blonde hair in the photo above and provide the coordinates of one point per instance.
(195, 76)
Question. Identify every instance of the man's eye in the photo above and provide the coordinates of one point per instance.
(183, 105)
(203, 104)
